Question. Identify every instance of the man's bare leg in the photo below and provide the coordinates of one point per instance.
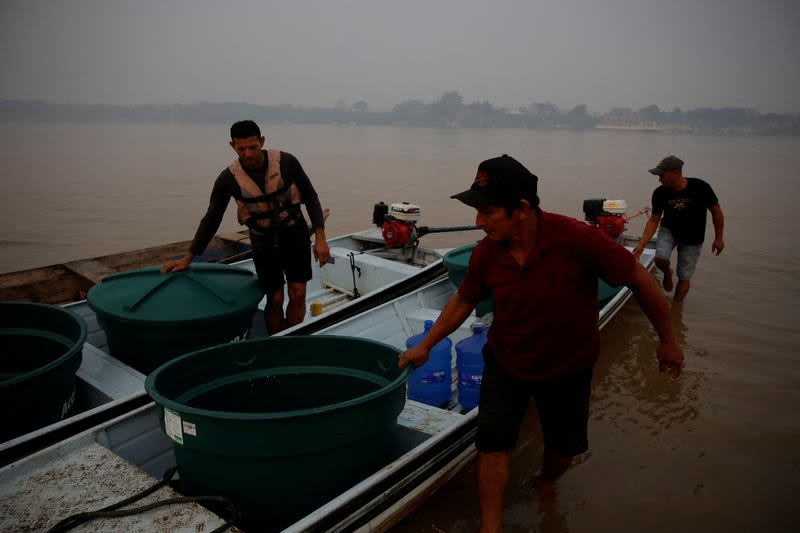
(273, 314)
(663, 265)
(553, 467)
(296, 309)
(492, 481)
(681, 289)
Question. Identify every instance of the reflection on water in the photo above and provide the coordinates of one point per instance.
(630, 393)
(536, 509)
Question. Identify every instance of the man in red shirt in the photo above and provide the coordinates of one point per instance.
(542, 271)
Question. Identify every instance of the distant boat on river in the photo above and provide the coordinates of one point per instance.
(629, 127)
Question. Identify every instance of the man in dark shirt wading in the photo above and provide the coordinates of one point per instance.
(542, 271)
(268, 186)
(682, 202)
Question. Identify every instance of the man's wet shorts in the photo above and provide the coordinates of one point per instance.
(688, 254)
(562, 405)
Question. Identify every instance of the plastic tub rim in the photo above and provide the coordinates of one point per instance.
(78, 345)
(104, 314)
(172, 405)
(449, 257)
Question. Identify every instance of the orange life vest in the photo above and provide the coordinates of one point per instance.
(278, 203)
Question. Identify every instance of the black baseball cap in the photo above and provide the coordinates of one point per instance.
(668, 163)
(498, 179)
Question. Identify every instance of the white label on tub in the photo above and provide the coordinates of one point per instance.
(172, 425)
(189, 429)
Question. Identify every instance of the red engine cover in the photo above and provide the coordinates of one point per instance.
(396, 233)
(612, 225)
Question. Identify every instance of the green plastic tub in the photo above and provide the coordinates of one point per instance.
(42, 348)
(280, 425)
(151, 318)
(456, 262)
(605, 292)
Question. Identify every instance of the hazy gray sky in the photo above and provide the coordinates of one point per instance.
(631, 53)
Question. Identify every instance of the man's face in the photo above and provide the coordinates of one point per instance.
(249, 151)
(669, 179)
(496, 223)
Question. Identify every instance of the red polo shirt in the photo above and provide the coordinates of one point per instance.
(545, 311)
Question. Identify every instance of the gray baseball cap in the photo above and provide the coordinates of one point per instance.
(668, 163)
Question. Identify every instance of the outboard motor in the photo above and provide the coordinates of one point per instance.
(399, 227)
(398, 223)
(607, 214)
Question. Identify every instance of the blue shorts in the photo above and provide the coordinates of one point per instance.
(562, 404)
(688, 254)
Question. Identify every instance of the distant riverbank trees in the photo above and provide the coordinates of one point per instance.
(448, 111)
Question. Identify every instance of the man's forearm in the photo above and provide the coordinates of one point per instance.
(718, 219)
(652, 301)
(649, 230)
(455, 312)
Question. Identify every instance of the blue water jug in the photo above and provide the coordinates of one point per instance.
(431, 383)
(469, 362)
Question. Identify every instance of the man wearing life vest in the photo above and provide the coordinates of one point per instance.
(268, 187)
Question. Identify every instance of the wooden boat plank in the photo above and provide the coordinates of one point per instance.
(157, 255)
(90, 269)
(51, 285)
(69, 282)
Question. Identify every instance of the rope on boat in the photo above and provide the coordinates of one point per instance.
(112, 512)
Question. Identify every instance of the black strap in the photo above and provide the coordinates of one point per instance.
(111, 512)
(265, 197)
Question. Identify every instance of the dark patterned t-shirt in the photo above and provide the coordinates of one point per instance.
(684, 213)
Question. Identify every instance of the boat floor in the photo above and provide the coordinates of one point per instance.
(88, 478)
(97, 469)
